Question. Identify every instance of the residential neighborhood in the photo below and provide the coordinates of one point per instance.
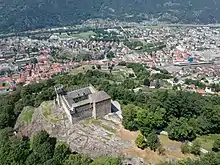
(185, 52)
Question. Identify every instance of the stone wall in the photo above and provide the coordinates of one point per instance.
(66, 108)
(103, 108)
(83, 111)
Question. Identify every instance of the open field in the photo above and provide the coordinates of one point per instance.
(81, 69)
(208, 140)
(49, 113)
(119, 73)
(149, 90)
(172, 153)
(26, 114)
(83, 35)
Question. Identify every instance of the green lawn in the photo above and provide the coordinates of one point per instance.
(118, 76)
(81, 69)
(46, 108)
(83, 35)
(26, 114)
(48, 114)
(149, 90)
(208, 140)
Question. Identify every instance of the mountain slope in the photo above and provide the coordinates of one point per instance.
(19, 15)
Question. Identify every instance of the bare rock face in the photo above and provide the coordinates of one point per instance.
(92, 137)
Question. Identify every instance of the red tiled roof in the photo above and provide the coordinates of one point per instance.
(200, 91)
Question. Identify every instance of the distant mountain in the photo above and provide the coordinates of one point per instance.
(20, 15)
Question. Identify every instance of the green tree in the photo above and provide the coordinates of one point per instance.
(5, 135)
(149, 121)
(32, 159)
(77, 159)
(180, 130)
(34, 61)
(216, 145)
(195, 149)
(107, 161)
(60, 153)
(98, 67)
(175, 80)
(161, 150)
(44, 152)
(39, 138)
(7, 115)
(129, 84)
(185, 149)
(19, 151)
(5, 119)
(211, 118)
(110, 55)
(157, 84)
(140, 142)
(175, 87)
(153, 141)
(147, 82)
(18, 107)
(209, 158)
(53, 162)
(129, 117)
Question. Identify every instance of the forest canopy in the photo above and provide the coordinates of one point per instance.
(21, 15)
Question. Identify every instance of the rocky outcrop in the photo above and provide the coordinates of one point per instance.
(93, 137)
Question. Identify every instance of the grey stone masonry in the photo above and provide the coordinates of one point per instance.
(83, 103)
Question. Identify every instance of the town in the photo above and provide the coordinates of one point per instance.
(127, 93)
(190, 54)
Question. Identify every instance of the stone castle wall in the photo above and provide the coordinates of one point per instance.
(82, 112)
(65, 107)
(85, 111)
(103, 108)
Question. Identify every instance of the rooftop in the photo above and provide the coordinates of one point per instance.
(79, 93)
(81, 103)
(99, 96)
(84, 96)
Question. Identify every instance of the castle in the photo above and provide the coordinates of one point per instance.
(83, 103)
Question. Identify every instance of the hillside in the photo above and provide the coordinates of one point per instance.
(89, 136)
(93, 137)
(20, 15)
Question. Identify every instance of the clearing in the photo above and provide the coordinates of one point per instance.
(81, 69)
(208, 140)
(119, 73)
(172, 153)
(83, 35)
(26, 115)
(89, 136)
(93, 137)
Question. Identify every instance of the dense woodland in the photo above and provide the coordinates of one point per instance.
(20, 15)
(184, 115)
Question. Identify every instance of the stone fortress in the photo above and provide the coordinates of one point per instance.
(83, 103)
